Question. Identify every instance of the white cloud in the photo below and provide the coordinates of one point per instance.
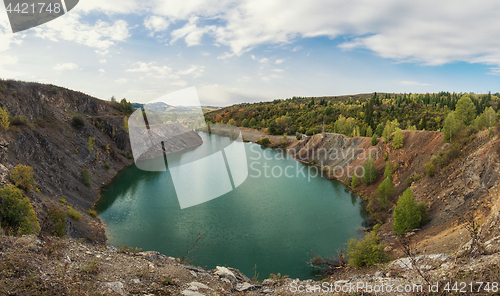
(191, 32)
(103, 61)
(66, 66)
(8, 60)
(121, 80)
(152, 70)
(297, 48)
(102, 71)
(277, 62)
(278, 70)
(194, 71)
(205, 54)
(100, 35)
(412, 83)
(156, 24)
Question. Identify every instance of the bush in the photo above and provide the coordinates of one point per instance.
(406, 213)
(4, 120)
(398, 139)
(74, 214)
(386, 189)
(374, 140)
(366, 252)
(87, 180)
(78, 121)
(92, 213)
(18, 120)
(107, 166)
(58, 218)
(90, 145)
(430, 169)
(22, 176)
(17, 212)
(264, 142)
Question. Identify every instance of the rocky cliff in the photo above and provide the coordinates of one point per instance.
(45, 139)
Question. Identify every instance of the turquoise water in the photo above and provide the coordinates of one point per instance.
(266, 225)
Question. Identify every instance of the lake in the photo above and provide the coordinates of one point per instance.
(271, 223)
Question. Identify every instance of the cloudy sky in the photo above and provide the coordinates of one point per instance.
(257, 50)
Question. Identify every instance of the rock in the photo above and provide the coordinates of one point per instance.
(410, 234)
(245, 287)
(193, 273)
(267, 291)
(196, 285)
(223, 272)
(388, 249)
(115, 287)
(136, 281)
(191, 293)
(379, 274)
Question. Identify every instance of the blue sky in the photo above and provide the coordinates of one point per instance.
(247, 51)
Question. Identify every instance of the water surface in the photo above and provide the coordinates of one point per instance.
(266, 225)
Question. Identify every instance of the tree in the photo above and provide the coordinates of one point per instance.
(22, 176)
(386, 189)
(90, 145)
(374, 140)
(487, 119)
(465, 110)
(451, 127)
(369, 132)
(4, 120)
(252, 123)
(245, 123)
(370, 174)
(388, 170)
(406, 213)
(398, 139)
(379, 130)
(355, 181)
(78, 121)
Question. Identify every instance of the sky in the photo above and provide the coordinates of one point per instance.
(259, 50)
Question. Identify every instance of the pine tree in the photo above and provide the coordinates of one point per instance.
(374, 140)
(406, 213)
(398, 139)
(386, 188)
(388, 170)
(371, 173)
(355, 181)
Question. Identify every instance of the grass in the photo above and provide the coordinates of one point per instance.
(74, 214)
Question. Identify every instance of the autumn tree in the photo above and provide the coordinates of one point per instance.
(4, 120)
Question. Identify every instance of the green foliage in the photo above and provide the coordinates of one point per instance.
(423, 208)
(355, 181)
(388, 170)
(465, 110)
(367, 252)
(264, 142)
(379, 130)
(451, 127)
(87, 180)
(22, 176)
(371, 173)
(19, 120)
(406, 213)
(78, 121)
(369, 132)
(92, 213)
(107, 165)
(4, 120)
(386, 188)
(487, 119)
(17, 212)
(62, 201)
(245, 123)
(58, 221)
(412, 179)
(74, 214)
(398, 139)
(374, 140)
(128, 250)
(430, 169)
(125, 123)
(90, 145)
(123, 106)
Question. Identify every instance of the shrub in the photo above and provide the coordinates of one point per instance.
(92, 213)
(17, 212)
(366, 252)
(430, 169)
(125, 123)
(78, 121)
(90, 145)
(355, 181)
(264, 142)
(374, 140)
(423, 208)
(388, 170)
(18, 120)
(107, 166)
(406, 213)
(74, 214)
(386, 157)
(63, 201)
(58, 218)
(22, 176)
(87, 180)
(4, 120)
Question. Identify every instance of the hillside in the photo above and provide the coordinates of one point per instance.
(44, 137)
